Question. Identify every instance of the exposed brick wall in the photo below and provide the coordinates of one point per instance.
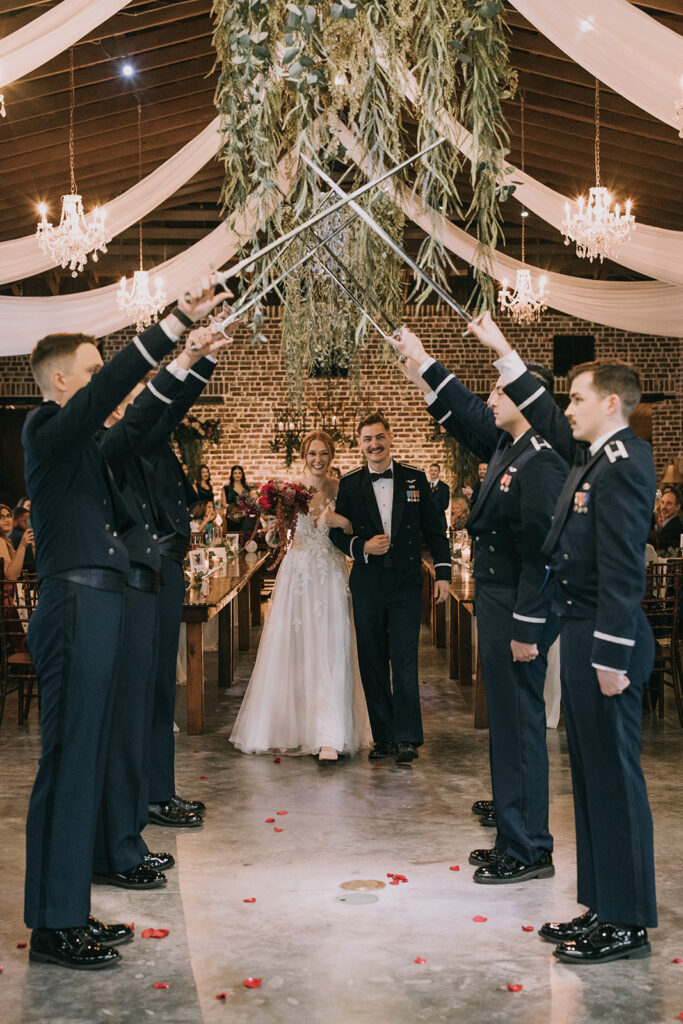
(249, 383)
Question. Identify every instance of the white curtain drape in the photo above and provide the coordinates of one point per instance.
(655, 252)
(50, 34)
(644, 307)
(22, 257)
(24, 320)
(618, 44)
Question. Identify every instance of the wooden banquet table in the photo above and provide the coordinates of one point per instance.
(239, 585)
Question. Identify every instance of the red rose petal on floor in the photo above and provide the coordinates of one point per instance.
(195, 751)
(132, 926)
(203, 776)
(677, 960)
(515, 988)
(269, 821)
(479, 919)
(252, 982)
(1, 969)
(21, 945)
(423, 681)
(480, 741)
(420, 960)
(161, 984)
(251, 899)
(401, 878)
(276, 760)
(160, 933)
(283, 812)
(390, 874)
(527, 927)
(147, 934)
(394, 881)
(222, 995)
(278, 830)
(454, 867)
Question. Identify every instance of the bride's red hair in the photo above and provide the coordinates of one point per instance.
(316, 435)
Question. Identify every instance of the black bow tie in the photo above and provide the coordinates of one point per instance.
(386, 475)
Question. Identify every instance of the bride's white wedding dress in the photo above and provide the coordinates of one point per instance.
(305, 691)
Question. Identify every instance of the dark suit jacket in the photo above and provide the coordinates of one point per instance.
(441, 496)
(669, 536)
(413, 514)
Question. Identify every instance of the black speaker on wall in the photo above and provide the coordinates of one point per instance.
(571, 349)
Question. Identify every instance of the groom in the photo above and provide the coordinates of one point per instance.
(389, 506)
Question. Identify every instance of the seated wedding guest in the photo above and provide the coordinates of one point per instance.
(460, 510)
(204, 517)
(79, 514)
(439, 492)
(13, 554)
(24, 502)
(202, 484)
(21, 519)
(666, 533)
(481, 473)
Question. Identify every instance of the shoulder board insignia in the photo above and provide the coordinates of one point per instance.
(538, 442)
(616, 450)
(350, 472)
(407, 465)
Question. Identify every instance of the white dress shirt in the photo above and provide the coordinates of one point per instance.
(384, 496)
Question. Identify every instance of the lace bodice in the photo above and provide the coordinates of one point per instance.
(312, 551)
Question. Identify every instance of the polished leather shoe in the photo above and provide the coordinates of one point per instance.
(159, 861)
(483, 807)
(488, 820)
(108, 934)
(381, 750)
(406, 752)
(171, 815)
(70, 947)
(140, 877)
(555, 931)
(604, 943)
(188, 805)
(478, 857)
(506, 869)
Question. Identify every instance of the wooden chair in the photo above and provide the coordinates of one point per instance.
(661, 604)
(17, 672)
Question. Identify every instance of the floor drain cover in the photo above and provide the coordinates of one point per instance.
(357, 897)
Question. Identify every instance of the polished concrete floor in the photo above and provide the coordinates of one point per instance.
(322, 960)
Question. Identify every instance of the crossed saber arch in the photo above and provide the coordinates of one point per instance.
(323, 243)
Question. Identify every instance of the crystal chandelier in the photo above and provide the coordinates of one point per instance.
(140, 303)
(524, 304)
(594, 226)
(75, 237)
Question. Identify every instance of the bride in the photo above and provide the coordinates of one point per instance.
(305, 695)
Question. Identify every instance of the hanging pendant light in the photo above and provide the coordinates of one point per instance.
(597, 229)
(140, 303)
(70, 243)
(525, 302)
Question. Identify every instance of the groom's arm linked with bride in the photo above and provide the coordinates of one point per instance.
(389, 506)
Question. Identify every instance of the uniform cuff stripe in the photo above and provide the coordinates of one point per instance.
(443, 383)
(532, 398)
(614, 639)
(441, 565)
(158, 394)
(194, 373)
(143, 351)
(526, 618)
(444, 418)
(607, 668)
(351, 554)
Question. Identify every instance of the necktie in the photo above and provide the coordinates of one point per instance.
(386, 475)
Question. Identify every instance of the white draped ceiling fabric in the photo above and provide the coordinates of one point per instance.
(50, 34)
(644, 307)
(618, 44)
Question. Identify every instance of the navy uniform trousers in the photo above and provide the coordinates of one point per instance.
(614, 843)
(161, 745)
(387, 612)
(517, 720)
(118, 843)
(73, 638)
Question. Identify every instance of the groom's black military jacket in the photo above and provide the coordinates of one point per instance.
(413, 515)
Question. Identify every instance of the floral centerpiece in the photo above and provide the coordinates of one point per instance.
(283, 502)
(190, 435)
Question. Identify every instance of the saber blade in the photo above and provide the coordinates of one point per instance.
(353, 298)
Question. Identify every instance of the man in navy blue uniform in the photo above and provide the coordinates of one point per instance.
(596, 550)
(78, 515)
(390, 508)
(516, 627)
(440, 492)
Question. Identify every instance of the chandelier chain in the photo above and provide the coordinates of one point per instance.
(140, 174)
(72, 103)
(522, 111)
(597, 133)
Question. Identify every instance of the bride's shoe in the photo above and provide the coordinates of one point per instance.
(328, 754)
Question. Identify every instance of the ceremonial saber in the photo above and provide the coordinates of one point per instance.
(388, 240)
(353, 298)
(248, 260)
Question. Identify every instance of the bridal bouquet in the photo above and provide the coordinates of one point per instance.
(284, 502)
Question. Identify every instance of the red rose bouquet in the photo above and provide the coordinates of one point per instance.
(284, 502)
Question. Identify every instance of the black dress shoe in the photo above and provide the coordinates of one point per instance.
(604, 943)
(483, 807)
(159, 861)
(140, 877)
(488, 820)
(171, 815)
(70, 947)
(406, 752)
(506, 869)
(188, 805)
(555, 931)
(108, 934)
(478, 857)
(381, 750)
